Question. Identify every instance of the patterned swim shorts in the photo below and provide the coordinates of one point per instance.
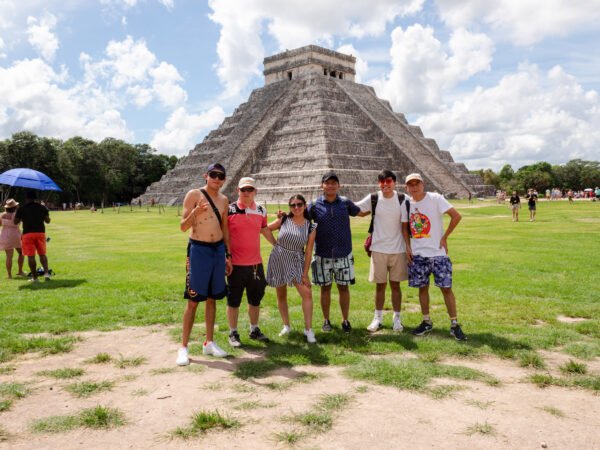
(325, 270)
(422, 267)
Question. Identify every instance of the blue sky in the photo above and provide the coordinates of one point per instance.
(509, 81)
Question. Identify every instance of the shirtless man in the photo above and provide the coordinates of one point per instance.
(207, 258)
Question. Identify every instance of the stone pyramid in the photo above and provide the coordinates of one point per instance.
(311, 117)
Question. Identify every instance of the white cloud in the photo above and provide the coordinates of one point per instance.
(34, 98)
(422, 70)
(130, 66)
(524, 22)
(528, 116)
(293, 24)
(41, 36)
(182, 130)
(169, 4)
(2, 55)
(165, 85)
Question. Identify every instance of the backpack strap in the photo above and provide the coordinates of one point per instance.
(374, 199)
(212, 204)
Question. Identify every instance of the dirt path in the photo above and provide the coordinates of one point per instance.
(156, 400)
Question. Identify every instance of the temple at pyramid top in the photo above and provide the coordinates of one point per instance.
(308, 118)
(310, 59)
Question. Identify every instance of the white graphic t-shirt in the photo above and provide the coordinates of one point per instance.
(427, 225)
(387, 227)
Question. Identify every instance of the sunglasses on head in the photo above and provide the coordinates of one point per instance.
(387, 181)
(219, 175)
(247, 189)
(296, 205)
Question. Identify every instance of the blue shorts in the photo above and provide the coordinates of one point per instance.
(422, 267)
(205, 271)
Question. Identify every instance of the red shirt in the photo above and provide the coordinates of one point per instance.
(245, 225)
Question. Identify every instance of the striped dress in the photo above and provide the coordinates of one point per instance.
(286, 262)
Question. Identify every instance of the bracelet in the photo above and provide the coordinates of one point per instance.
(227, 255)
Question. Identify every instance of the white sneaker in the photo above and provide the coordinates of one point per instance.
(47, 276)
(285, 330)
(212, 349)
(397, 325)
(375, 325)
(182, 357)
(310, 336)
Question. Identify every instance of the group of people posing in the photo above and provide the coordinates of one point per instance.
(407, 242)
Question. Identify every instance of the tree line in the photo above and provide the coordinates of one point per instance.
(576, 175)
(88, 172)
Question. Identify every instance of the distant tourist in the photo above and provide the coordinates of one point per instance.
(388, 211)
(10, 237)
(333, 259)
(289, 262)
(427, 251)
(205, 212)
(597, 192)
(34, 217)
(247, 221)
(532, 199)
(515, 205)
(570, 196)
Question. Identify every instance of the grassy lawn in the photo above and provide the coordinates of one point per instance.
(512, 281)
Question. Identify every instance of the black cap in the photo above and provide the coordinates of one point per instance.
(330, 176)
(215, 166)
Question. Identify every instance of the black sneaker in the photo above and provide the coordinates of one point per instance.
(346, 327)
(257, 335)
(327, 326)
(234, 339)
(423, 329)
(457, 332)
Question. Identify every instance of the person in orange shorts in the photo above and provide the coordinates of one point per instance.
(34, 217)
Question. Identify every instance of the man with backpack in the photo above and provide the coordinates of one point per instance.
(388, 210)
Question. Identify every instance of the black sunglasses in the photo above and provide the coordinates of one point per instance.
(219, 175)
(247, 189)
(296, 205)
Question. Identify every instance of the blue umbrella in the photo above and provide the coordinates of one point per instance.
(28, 178)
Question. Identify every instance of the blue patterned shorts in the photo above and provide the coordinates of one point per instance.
(422, 267)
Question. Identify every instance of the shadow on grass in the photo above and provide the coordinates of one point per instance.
(52, 284)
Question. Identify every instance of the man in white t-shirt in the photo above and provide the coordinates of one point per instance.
(388, 249)
(427, 251)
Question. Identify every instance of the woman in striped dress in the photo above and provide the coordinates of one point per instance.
(290, 260)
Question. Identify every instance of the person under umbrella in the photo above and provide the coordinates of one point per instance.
(10, 237)
(34, 217)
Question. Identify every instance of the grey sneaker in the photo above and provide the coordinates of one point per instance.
(258, 335)
(327, 326)
(346, 327)
(423, 328)
(457, 332)
(234, 339)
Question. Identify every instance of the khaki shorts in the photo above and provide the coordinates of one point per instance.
(382, 263)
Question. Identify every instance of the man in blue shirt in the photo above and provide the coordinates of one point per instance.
(333, 247)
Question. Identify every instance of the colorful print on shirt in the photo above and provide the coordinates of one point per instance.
(420, 225)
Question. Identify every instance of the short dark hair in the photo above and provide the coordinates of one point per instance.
(386, 174)
(30, 194)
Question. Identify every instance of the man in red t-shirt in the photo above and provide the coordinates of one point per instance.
(246, 221)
